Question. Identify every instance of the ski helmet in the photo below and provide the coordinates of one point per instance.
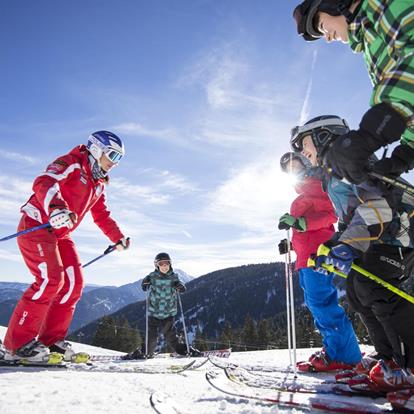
(287, 158)
(161, 257)
(322, 129)
(305, 15)
(107, 143)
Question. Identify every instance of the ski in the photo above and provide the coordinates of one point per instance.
(55, 359)
(163, 404)
(218, 353)
(330, 403)
(120, 367)
(136, 367)
(7, 365)
(244, 377)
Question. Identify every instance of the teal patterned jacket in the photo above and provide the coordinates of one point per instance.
(163, 293)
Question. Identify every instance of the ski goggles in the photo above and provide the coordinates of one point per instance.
(333, 126)
(113, 156)
(163, 263)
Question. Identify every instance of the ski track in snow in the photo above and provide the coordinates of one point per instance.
(67, 392)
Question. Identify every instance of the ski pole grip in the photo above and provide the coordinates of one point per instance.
(110, 248)
(311, 261)
(323, 250)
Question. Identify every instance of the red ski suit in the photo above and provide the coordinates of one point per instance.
(315, 206)
(47, 306)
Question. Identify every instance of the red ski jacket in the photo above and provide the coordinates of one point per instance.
(68, 183)
(315, 206)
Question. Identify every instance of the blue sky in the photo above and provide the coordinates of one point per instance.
(203, 93)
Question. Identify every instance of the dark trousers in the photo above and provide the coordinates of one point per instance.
(388, 317)
(167, 329)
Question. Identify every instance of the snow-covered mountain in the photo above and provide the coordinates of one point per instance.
(227, 295)
(96, 301)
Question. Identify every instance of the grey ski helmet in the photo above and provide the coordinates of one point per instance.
(322, 129)
(287, 158)
(305, 15)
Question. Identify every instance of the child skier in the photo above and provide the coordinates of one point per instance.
(163, 285)
(311, 219)
(383, 31)
(375, 236)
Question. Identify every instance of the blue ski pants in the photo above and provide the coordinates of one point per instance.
(321, 298)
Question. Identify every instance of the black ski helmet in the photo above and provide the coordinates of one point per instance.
(287, 158)
(322, 129)
(160, 257)
(305, 15)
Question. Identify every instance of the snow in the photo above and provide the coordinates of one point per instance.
(66, 392)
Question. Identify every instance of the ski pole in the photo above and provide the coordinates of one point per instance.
(324, 251)
(292, 304)
(408, 188)
(288, 307)
(20, 233)
(183, 322)
(109, 249)
(146, 322)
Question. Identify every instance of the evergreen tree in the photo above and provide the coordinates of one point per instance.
(105, 335)
(127, 338)
(200, 340)
(226, 336)
(249, 335)
(263, 333)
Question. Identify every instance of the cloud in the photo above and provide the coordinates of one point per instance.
(252, 197)
(304, 113)
(15, 156)
(135, 128)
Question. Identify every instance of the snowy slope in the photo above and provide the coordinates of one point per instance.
(69, 392)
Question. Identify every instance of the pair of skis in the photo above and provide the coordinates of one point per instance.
(282, 390)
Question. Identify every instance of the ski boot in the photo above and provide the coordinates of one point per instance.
(195, 352)
(137, 354)
(2, 350)
(320, 362)
(33, 352)
(391, 377)
(65, 348)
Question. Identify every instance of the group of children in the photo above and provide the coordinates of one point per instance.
(332, 164)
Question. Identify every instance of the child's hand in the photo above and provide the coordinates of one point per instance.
(179, 287)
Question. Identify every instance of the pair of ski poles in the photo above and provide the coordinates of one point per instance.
(182, 321)
(290, 306)
(324, 251)
(108, 250)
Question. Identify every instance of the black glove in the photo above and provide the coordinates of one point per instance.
(145, 284)
(401, 161)
(284, 247)
(179, 287)
(349, 153)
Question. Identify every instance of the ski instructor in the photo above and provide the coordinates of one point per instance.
(71, 186)
(384, 32)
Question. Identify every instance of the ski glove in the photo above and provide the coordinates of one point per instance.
(340, 257)
(122, 244)
(284, 247)
(287, 221)
(60, 218)
(348, 156)
(401, 161)
(179, 287)
(145, 284)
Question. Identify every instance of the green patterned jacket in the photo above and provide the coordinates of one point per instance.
(383, 31)
(163, 293)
